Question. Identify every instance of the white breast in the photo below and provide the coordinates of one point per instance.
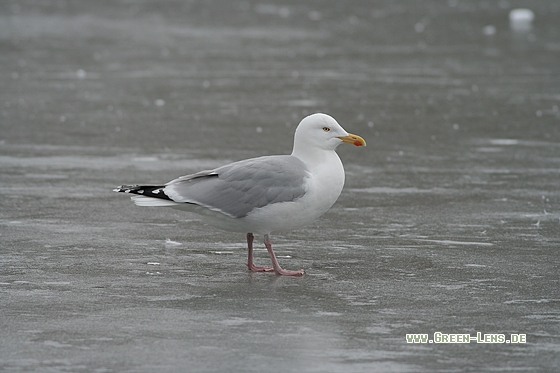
(324, 186)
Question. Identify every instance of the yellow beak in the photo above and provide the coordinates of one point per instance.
(353, 139)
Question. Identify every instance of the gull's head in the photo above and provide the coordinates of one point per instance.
(323, 132)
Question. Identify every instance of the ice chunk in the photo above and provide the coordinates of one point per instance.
(170, 243)
(521, 19)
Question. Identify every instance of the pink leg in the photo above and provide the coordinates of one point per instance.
(250, 264)
(277, 269)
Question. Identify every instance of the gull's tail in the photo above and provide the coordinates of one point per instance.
(147, 195)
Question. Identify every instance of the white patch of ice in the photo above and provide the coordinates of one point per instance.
(521, 19)
(504, 142)
(169, 242)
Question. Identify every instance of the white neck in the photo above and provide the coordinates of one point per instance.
(316, 157)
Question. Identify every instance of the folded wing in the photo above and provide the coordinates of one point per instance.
(238, 188)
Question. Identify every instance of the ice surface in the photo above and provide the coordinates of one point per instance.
(449, 222)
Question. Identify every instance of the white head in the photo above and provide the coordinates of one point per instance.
(321, 131)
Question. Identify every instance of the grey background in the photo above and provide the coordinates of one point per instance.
(449, 220)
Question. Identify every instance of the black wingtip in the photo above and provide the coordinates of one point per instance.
(155, 191)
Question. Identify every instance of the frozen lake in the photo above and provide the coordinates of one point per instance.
(449, 221)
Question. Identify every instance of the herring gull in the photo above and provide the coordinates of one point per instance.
(263, 195)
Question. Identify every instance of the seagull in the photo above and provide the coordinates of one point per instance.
(263, 195)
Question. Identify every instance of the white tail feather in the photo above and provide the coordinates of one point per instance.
(152, 202)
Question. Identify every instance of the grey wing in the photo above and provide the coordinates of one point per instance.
(238, 188)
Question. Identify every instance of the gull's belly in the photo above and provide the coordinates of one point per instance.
(323, 187)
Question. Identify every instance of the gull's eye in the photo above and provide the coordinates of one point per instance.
(326, 129)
